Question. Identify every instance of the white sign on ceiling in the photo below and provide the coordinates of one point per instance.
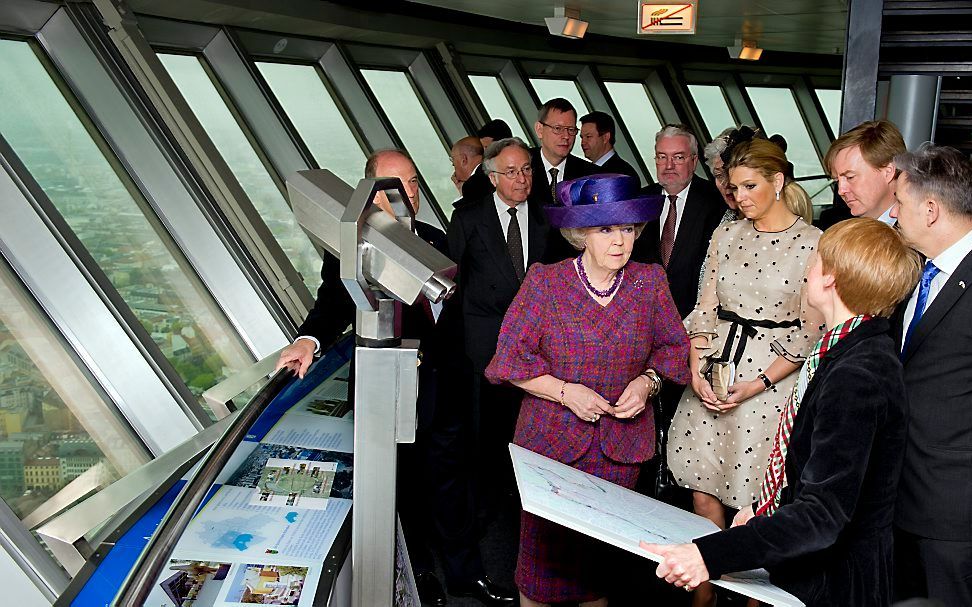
(667, 18)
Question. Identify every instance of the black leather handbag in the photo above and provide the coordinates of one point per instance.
(665, 483)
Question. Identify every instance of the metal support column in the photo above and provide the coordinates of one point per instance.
(913, 106)
(861, 55)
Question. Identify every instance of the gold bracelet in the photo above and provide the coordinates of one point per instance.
(655, 381)
(563, 386)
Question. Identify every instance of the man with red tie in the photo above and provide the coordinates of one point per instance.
(693, 208)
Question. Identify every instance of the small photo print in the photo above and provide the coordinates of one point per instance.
(294, 483)
(186, 583)
(267, 585)
(253, 470)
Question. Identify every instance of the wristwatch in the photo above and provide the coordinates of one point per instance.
(767, 383)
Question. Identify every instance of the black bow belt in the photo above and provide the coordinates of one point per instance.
(748, 326)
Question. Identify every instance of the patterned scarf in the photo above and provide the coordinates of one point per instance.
(775, 478)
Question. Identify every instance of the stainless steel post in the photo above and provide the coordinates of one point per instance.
(385, 389)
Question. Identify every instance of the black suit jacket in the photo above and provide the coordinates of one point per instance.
(703, 211)
(935, 496)
(830, 543)
(476, 187)
(334, 310)
(616, 164)
(487, 282)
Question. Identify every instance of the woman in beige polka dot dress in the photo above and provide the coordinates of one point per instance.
(750, 311)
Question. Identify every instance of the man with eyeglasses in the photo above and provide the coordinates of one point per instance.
(678, 240)
(552, 162)
(494, 240)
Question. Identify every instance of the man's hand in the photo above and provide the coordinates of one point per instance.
(681, 564)
(297, 356)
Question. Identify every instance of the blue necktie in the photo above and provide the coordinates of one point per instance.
(930, 272)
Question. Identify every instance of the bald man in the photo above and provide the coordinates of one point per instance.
(467, 158)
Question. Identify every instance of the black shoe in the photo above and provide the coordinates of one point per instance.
(486, 592)
(429, 589)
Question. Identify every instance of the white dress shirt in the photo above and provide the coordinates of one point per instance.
(886, 216)
(947, 262)
(547, 166)
(679, 208)
(503, 211)
(600, 161)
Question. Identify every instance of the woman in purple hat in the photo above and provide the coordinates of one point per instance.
(589, 340)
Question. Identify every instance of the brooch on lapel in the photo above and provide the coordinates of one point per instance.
(962, 284)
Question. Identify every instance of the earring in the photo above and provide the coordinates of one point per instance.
(777, 194)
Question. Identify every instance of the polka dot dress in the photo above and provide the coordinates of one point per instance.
(758, 276)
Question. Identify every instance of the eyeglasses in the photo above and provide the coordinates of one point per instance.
(525, 170)
(675, 158)
(560, 130)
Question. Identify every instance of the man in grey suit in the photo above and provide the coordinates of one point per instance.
(933, 516)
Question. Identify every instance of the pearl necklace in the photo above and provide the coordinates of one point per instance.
(587, 282)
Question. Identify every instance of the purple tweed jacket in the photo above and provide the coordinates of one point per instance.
(554, 327)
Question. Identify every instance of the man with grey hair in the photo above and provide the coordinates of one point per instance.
(933, 515)
(693, 208)
(494, 241)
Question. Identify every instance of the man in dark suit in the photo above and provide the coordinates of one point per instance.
(933, 516)
(467, 160)
(597, 141)
(693, 208)
(552, 162)
(494, 240)
(418, 496)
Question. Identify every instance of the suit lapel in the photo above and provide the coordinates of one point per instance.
(495, 240)
(537, 232)
(687, 225)
(956, 286)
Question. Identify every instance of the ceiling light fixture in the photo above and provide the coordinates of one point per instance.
(745, 49)
(566, 23)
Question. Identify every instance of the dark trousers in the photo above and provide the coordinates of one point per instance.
(936, 569)
(495, 409)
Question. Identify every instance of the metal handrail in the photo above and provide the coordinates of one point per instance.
(155, 556)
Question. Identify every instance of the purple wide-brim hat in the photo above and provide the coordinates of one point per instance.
(602, 200)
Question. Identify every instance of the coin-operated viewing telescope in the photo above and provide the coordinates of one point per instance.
(383, 265)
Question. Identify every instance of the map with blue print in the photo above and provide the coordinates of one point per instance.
(291, 517)
(235, 533)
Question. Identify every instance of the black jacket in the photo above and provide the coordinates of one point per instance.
(935, 497)
(558, 248)
(616, 164)
(334, 310)
(476, 187)
(487, 282)
(703, 211)
(830, 543)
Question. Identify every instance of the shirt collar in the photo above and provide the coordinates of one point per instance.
(501, 207)
(681, 196)
(886, 216)
(600, 161)
(547, 166)
(949, 259)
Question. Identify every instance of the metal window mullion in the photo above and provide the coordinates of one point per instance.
(522, 96)
(592, 88)
(89, 312)
(205, 158)
(38, 566)
(434, 94)
(169, 190)
(813, 116)
(662, 97)
(454, 68)
(252, 98)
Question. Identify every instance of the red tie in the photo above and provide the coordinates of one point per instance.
(668, 232)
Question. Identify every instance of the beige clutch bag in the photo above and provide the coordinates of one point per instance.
(719, 374)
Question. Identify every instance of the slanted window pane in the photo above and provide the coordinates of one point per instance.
(830, 101)
(54, 426)
(547, 89)
(312, 110)
(212, 112)
(402, 106)
(638, 115)
(713, 106)
(490, 92)
(109, 218)
(778, 112)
